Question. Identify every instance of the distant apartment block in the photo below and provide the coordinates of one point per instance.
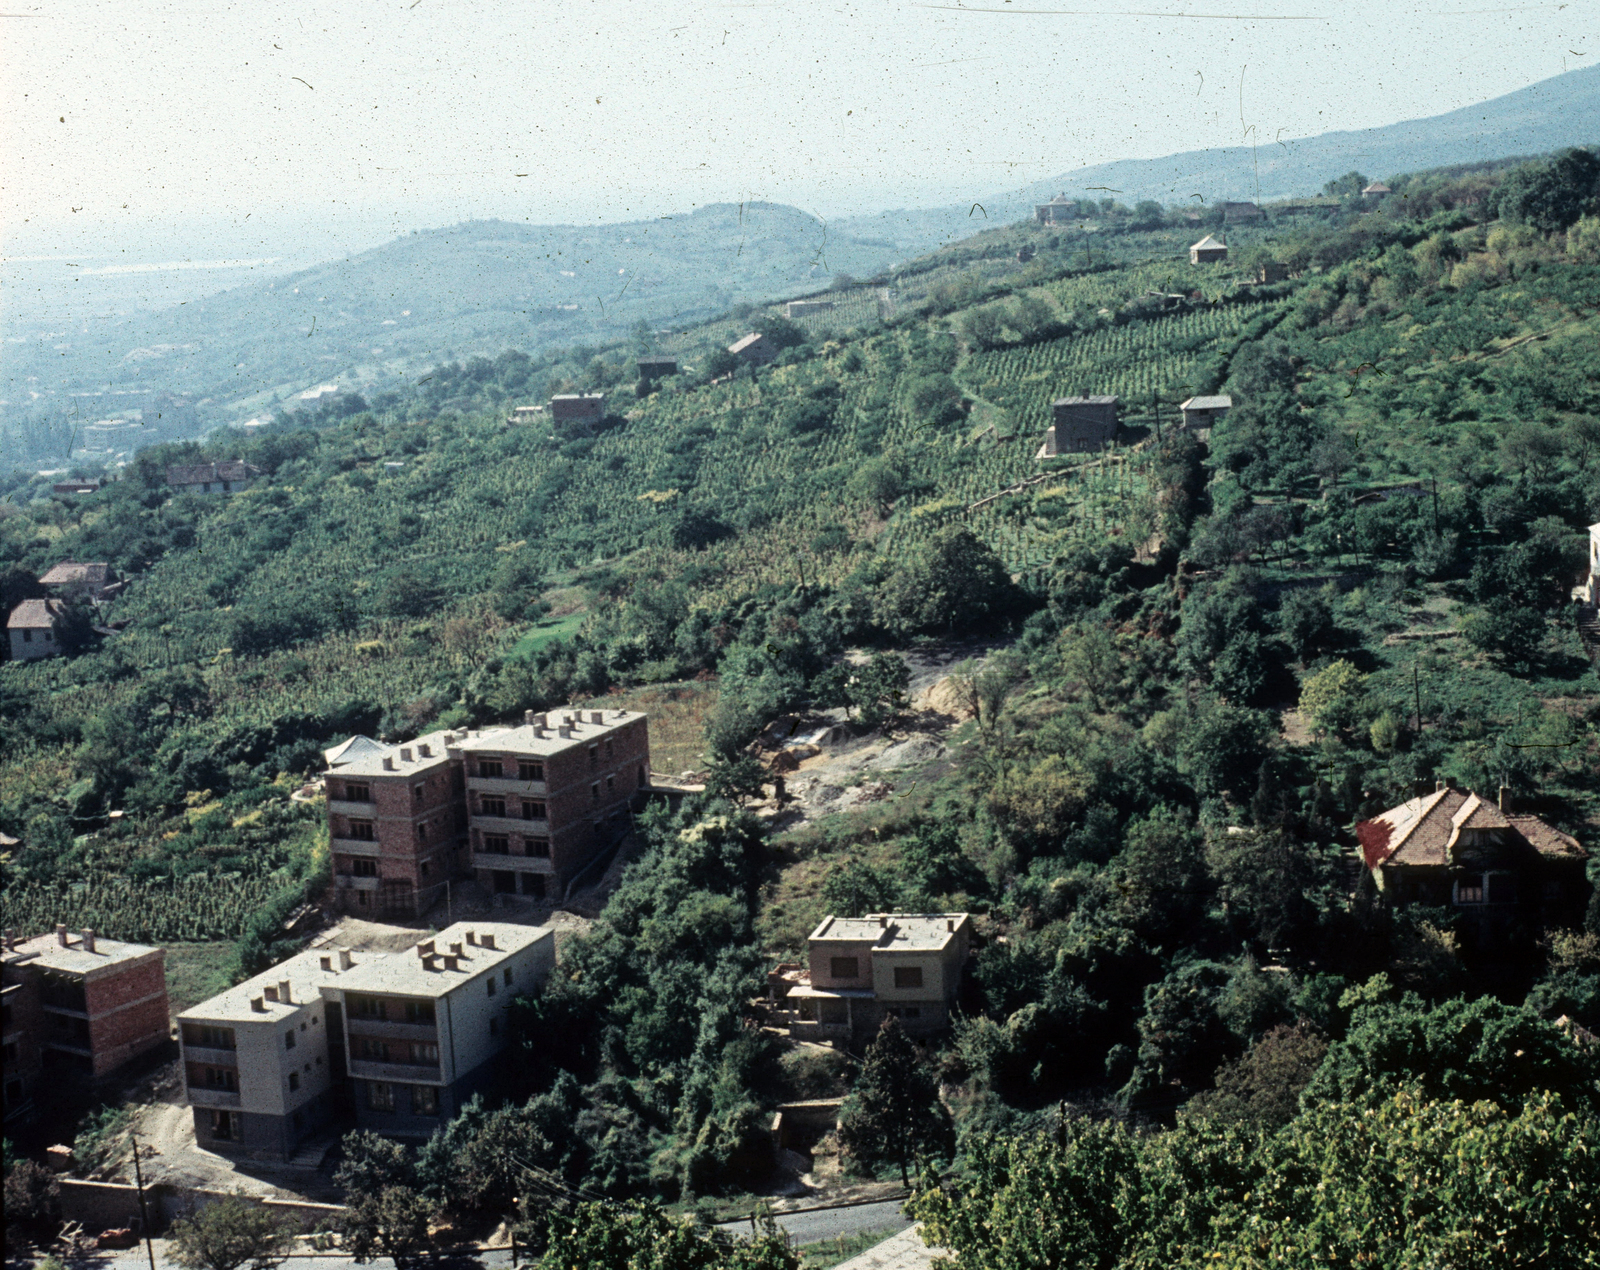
(73, 579)
(228, 477)
(1080, 425)
(523, 809)
(1208, 251)
(585, 409)
(34, 629)
(861, 969)
(77, 1007)
(400, 1040)
(753, 349)
(806, 308)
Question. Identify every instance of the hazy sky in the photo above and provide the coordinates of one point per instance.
(394, 114)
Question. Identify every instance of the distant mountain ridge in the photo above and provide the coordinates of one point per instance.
(1554, 113)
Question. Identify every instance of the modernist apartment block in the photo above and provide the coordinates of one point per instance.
(861, 969)
(401, 1039)
(78, 1006)
(524, 808)
(396, 823)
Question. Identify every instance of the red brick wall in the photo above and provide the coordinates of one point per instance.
(128, 1011)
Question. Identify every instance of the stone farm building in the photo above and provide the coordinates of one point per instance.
(753, 349)
(585, 409)
(657, 366)
(1080, 425)
(805, 308)
(34, 629)
(1202, 412)
(1057, 211)
(1208, 251)
(73, 579)
(1376, 190)
(861, 969)
(77, 1007)
(227, 477)
(1497, 870)
(523, 809)
(1272, 271)
(398, 1041)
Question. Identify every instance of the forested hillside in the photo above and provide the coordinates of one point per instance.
(1216, 654)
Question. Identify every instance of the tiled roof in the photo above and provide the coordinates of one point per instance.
(69, 571)
(1208, 243)
(1422, 831)
(1207, 403)
(1084, 401)
(36, 615)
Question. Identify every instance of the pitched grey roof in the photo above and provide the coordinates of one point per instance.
(200, 473)
(1207, 403)
(1207, 243)
(36, 615)
(70, 571)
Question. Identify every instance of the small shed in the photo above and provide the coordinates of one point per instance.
(1376, 190)
(1207, 251)
(584, 408)
(1080, 425)
(753, 350)
(1202, 412)
(34, 629)
(656, 366)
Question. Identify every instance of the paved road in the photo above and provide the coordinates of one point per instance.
(804, 1228)
(829, 1223)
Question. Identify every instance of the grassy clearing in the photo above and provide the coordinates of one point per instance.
(197, 971)
(547, 632)
(831, 1252)
(678, 713)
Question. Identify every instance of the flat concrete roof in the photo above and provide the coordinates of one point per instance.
(402, 974)
(368, 760)
(542, 739)
(1206, 403)
(306, 979)
(46, 951)
(892, 932)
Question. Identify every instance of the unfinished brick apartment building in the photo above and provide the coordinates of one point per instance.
(523, 809)
(77, 1007)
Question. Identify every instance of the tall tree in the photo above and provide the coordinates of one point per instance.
(232, 1232)
(894, 1113)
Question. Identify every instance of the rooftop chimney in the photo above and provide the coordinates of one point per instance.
(597, 716)
(450, 963)
(284, 993)
(270, 993)
(88, 932)
(528, 716)
(425, 750)
(1505, 799)
(388, 762)
(564, 732)
(455, 950)
(472, 937)
(61, 934)
(430, 962)
(425, 947)
(950, 923)
(883, 922)
(1439, 786)
(326, 962)
(405, 754)
(487, 941)
(345, 961)
(258, 1005)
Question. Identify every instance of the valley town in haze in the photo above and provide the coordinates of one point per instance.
(777, 637)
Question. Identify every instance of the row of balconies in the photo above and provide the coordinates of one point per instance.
(214, 1057)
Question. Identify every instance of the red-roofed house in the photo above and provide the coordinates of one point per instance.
(1453, 848)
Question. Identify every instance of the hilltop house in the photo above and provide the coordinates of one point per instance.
(753, 350)
(861, 969)
(1495, 868)
(1208, 251)
(581, 409)
(1057, 211)
(1377, 190)
(403, 1039)
(1080, 425)
(524, 809)
(34, 628)
(227, 477)
(654, 367)
(72, 579)
(78, 1007)
(1202, 412)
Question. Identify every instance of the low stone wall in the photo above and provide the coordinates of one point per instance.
(111, 1205)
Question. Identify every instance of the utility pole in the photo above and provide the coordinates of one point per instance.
(144, 1213)
(1416, 689)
